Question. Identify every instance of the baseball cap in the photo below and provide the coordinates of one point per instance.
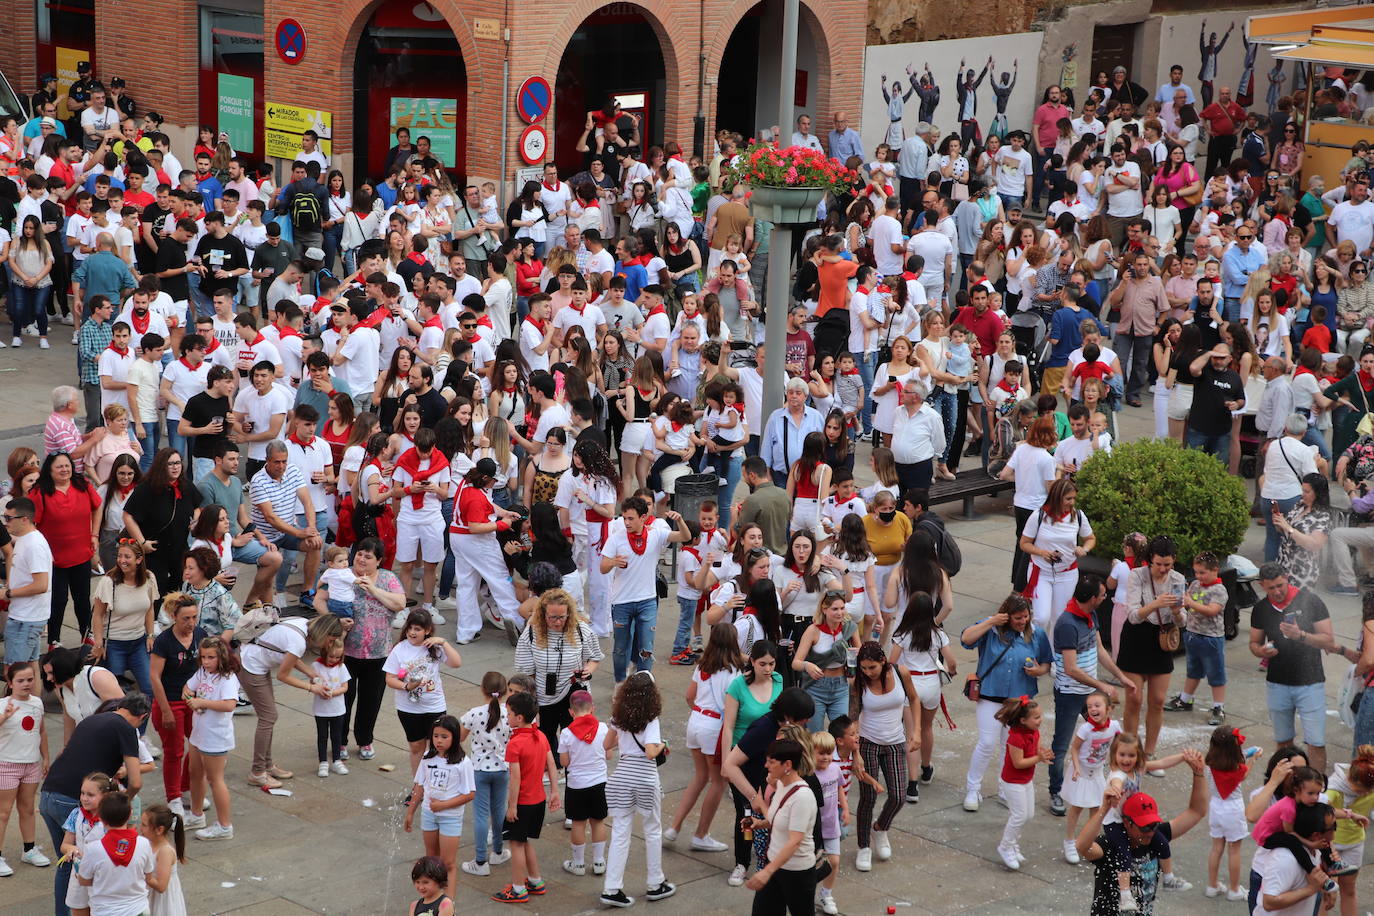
(83, 67)
(1141, 810)
(486, 467)
(314, 254)
(47, 78)
(117, 82)
(47, 122)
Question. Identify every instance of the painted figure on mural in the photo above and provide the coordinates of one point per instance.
(896, 106)
(1275, 90)
(1001, 89)
(1245, 89)
(1210, 49)
(1068, 72)
(970, 134)
(928, 93)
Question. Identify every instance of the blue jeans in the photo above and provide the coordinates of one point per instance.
(288, 557)
(1230, 309)
(1313, 436)
(1067, 709)
(200, 467)
(946, 404)
(727, 492)
(200, 303)
(131, 655)
(55, 809)
(868, 367)
(831, 695)
(29, 305)
(1364, 719)
(683, 638)
(177, 441)
(1218, 446)
(490, 809)
(148, 441)
(333, 241)
(1272, 536)
(1039, 164)
(1009, 201)
(634, 622)
(23, 640)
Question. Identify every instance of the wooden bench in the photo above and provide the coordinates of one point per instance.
(966, 486)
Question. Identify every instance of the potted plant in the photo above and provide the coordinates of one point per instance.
(786, 185)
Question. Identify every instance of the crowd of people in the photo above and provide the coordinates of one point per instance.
(389, 404)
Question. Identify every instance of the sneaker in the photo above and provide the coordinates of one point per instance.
(1341, 867)
(574, 869)
(536, 889)
(1020, 856)
(263, 780)
(1057, 806)
(323, 771)
(480, 869)
(882, 848)
(1350, 590)
(863, 860)
(1009, 858)
(177, 807)
(1214, 891)
(829, 907)
(6, 871)
(1071, 853)
(971, 801)
(242, 707)
(1239, 894)
(43, 344)
(68, 320)
(683, 657)
(307, 601)
(617, 899)
(343, 753)
(927, 774)
(16, 342)
(366, 752)
(567, 821)
(1157, 774)
(1217, 717)
(193, 821)
(1126, 903)
(398, 621)
(913, 792)
(338, 768)
(708, 843)
(446, 604)
(508, 895)
(1176, 703)
(1175, 883)
(279, 773)
(661, 892)
(35, 858)
(598, 868)
(737, 875)
(216, 831)
(438, 619)
(669, 835)
(499, 858)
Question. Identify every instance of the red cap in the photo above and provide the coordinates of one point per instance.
(1141, 810)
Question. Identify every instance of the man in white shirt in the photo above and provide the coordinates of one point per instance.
(261, 411)
(310, 151)
(537, 333)
(935, 249)
(1124, 200)
(254, 348)
(886, 235)
(1087, 123)
(1286, 889)
(99, 122)
(1080, 446)
(313, 456)
(1014, 172)
(630, 556)
(113, 368)
(555, 195)
(803, 137)
(918, 439)
(551, 414)
(1353, 220)
(359, 353)
(30, 584)
(579, 312)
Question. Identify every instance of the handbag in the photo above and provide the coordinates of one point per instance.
(973, 685)
(1366, 424)
(1169, 637)
(1194, 198)
(662, 757)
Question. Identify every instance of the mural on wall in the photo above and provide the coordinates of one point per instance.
(1218, 54)
(970, 87)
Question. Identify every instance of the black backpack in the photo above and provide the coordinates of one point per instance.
(946, 548)
(305, 212)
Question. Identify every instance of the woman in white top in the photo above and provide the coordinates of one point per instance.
(81, 687)
(933, 353)
(1165, 222)
(1032, 468)
(921, 648)
(363, 222)
(901, 370)
(1055, 536)
(1023, 238)
(435, 224)
(953, 168)
(339, 204)
(634, 787)
(883, 697)
(1269, 329)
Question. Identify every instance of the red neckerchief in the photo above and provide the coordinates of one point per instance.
(257, 340)
(909, 276)
(212, 346)
(660, 310)
(640, 542)
(1292, 593)
(188, 365)
(1228, 780)
(435, 322)
(573, 306)
(484, 321)
(125, 491)
(176, 487)
(122, 353)
(1073, 608)
(305, 445)
(884, 289)
(410, 462)
(141, 327)
(536, 322)
(551, 187)
(1133, 562)
(120, 844)
(320, 305)
(1008, 388)
(416, 257)
(1302, 369)
(286, 330)
(584, 728)
(854, 371)
(1366, 381)
(331, 664)
(676, 425)
(828, 630)
(862, 289)
(1103, 727)
(641, 260)
(92, 817)
(376, 318)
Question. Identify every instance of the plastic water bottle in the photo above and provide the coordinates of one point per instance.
(1253, 750)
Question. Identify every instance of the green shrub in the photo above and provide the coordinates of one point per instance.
(1160, 488)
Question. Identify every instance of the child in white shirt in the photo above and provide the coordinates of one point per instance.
(329, 710)
(581, 748)
(338, 579)
(491, 213)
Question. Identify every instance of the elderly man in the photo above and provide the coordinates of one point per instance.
(918, 436)
(786, 429)
(802, 136)
(104, 273)
(844, 141)
(913, 165)
(275, 492)
(60, 433)
(1287, 460)
(1237, 264)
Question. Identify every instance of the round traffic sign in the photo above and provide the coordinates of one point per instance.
(533, 98)
(290, 41)
(534, 143)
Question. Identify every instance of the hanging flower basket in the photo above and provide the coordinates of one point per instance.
(786, 185)
(785, 206)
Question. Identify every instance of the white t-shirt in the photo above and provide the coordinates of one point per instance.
(120, 891)
(1280, 873)
(1013, 168)
(1056, 534)
(552, 414)
(266, 653)
(212, 731)
(117, 368)
(1354, 222)
(443, 780)
(431, 510)
(428, 693)
(934, 247)
(185, 382)
(333, 677)
(586, 761)
(636, 581)
(1033, 467)
(752, 382)
(1284, 457)
(19, 735)
(315, 458)
(588, 318)
(627, 741)
(148, 377)
(1128, 202)
(488, 747)
(884, 233)
(1072, 452)
(655, 327)
(530, 337)
(362, 363)
(31, 556)
(259, 409)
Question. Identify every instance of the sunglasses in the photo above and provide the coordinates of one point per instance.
(832, 594)
(1244, 237)
(1359, 270)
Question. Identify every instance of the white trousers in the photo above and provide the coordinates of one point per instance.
(1161, 406)
(622, 826)
(1052, 593)
(477, 558)
(1342, 539)
(598, 590)
(992, 741)
(1020, 798)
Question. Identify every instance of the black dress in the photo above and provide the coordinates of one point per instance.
(1140, 652)
(165, 517)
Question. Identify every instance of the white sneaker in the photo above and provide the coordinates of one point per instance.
(708, 843)
(1237, 894)
(1009, 858)
(216, 831)
(972, 800)
(193, 821)
(400, 619)
(829, 907)
(598, 868)
(1175, 883)
(338, 768)
(574, 869)
(863, 860)
(669, 835)
(446, 604)
(6, 871)
(1127, 902)
(35, 858)
(154, 751)
(1157, 774)
(437, 618)
(499, 858)
(3, 347)
(43, 344)
(881, 847)
(67, 320)
(323, 771)
(16, 342)
(1071, 853)
(31, 330)
(481, 869)
(177, 807)
(1020, 856)
(1214, 891)
(737, 876)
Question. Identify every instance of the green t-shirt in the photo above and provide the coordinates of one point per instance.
(1314, 205)
(228, 495)
(750, 709)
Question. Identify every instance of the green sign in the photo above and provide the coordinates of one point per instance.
(436, 119)
(236, 110)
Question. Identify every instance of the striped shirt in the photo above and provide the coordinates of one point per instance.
(280, 493)
(560, 656)
(61, 435)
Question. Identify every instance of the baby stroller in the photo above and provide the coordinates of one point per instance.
(1032, 342)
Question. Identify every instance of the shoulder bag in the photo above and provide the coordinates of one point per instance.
(1169, 635)
(973, 685)
(662, 757)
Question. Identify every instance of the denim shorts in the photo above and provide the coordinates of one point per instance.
(23, 640)
(251, 552)
(448, 823)
(1206, 658)
(1308, 701)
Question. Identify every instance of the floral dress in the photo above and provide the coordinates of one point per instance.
(1304, 566)
(370, 636)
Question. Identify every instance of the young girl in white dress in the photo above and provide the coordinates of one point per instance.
(165, 830)
(1087, 781)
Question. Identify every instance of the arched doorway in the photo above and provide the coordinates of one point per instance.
(409, 73)
(747, 87)
(614, 54)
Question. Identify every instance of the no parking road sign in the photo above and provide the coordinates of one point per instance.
(533, 98)
(290, 41)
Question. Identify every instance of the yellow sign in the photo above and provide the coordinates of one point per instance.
(282, 145)
(296, 120)
(67, 59)
(487, 28)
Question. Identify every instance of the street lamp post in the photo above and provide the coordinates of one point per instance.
(780, 241)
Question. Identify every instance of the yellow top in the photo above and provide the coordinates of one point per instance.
(887, 541)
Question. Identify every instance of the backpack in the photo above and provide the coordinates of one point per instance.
(305, 212)
(946, 548)
(257, 619)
